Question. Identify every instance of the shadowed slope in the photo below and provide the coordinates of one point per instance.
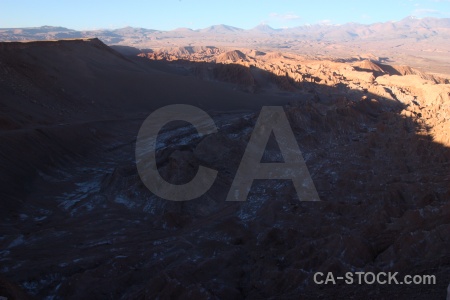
(52, 89)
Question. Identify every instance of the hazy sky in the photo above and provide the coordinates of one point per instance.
(171, 14)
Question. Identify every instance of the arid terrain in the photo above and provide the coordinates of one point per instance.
(78, 223)
(417, 42)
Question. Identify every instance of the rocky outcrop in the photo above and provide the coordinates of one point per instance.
(425, 96)
(231, 57)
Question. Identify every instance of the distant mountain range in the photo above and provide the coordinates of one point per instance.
(421, 43)
(409, 27)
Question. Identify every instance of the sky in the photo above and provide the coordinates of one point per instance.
(196, 14)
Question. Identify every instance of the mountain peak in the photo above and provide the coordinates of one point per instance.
(52, 28)
(264, 28)
(221, 28)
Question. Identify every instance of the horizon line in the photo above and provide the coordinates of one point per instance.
(323, 23)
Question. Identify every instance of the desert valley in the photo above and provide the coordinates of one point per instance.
(369, 106)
